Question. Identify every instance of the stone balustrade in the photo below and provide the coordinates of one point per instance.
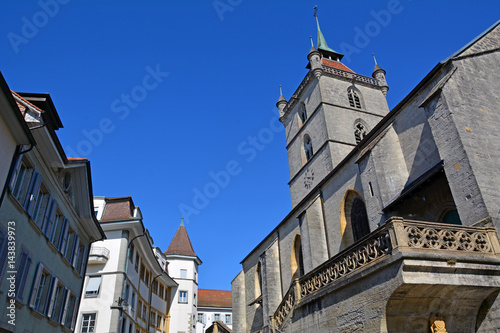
(349, 75)
(395, 234)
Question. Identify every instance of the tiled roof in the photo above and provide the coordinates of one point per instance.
(215, 298)
(25, 101)
(336, 64)
(180, 243)
(118, 209)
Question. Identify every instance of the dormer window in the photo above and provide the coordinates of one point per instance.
(354, 99)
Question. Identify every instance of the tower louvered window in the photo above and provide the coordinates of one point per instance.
(354, 100)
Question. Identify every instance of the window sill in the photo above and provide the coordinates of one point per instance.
(37, 314)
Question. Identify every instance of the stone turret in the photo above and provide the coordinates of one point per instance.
(281, 104)
(379, 75)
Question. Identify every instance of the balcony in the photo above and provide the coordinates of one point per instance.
(98, 255)
(420, 247)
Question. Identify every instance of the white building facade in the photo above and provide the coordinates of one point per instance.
(126, 289)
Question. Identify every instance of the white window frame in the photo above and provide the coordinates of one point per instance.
(183, 299)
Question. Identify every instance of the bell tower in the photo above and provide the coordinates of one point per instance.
(328, 115)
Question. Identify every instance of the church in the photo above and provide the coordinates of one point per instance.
(395, 213)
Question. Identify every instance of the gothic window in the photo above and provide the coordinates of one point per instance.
(452, 217)
(354, 99)
(360, 131)
(302, 113)
(308, 149)
(359, 219)
(297, 261)
(258, 279)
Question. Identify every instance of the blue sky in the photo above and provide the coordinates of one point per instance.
(170, 99)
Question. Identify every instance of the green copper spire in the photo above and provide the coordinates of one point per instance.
(322, 45)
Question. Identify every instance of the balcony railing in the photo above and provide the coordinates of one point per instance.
(349, 75)
(395, 234)
(98, 255)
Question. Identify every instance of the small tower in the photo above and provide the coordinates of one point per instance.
(281, 103)
(183, 268)
(379, 75)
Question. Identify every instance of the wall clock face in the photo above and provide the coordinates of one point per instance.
(308, 178)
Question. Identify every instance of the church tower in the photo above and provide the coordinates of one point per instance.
(328, 115)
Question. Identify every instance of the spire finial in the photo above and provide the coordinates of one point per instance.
(182, 222)
(373, 54)
(316, 11)
(281, 91)
(311, 38)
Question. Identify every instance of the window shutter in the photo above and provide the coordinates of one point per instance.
(49, 217)
(64, 236)
(15, 172)
(65, 309)
(75, 312)
(27, 196)
(23, 270)
(33, 192)
(3, 250)
(75, 250)
(52, 298)
(36, 284)
(83, 263)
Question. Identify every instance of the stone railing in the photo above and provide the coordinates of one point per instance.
(286, 306)
(396, 233)
(437, 236)
(349, 75)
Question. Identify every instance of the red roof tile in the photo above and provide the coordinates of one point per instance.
(215, 298)
(336, 64)
(25, 101)
(77, 159)
(181, 244)
(118, 209)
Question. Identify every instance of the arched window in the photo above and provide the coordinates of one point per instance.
(308, 148)
(354, 98)
(258, 280)
(360, 131)
(302, 113)
(296, 260)
(359, 219)
(452, 217)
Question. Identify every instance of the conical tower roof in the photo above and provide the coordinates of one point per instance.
(181, 244)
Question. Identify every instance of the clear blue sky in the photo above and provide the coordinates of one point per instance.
(161, 96)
